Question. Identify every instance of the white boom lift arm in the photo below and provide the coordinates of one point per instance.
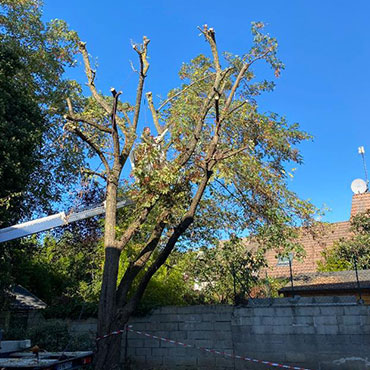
(50, 222)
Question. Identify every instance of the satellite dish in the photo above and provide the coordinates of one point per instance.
(358, 186)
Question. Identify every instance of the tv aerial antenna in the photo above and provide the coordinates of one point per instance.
(361, 151)
(360, 186)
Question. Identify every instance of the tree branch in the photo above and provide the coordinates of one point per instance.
(217, 110)
(230, 153)
(90, 123)
(238, 79)
(214, 142)
(238, 107)
(90, 74)
(207, 105)
(90, 142)
(157, 125)
(184, 224)
(135, 267)
(76, 118)
(244, 202)
(182, 91)
(116, 145)
(134, 227)
(144, 66)
(126, 117)
(88, 171)
(210, 36)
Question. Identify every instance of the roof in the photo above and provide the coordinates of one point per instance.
(314, 244)
(337, 280)
(25, 300)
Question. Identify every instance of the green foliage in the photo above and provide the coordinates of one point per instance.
(21, 128)
(61, 267)
(71, 296)
(65, 271)
(227, 272)
(216, 165)
(12, 257)
(347, 251)
(167, 287)
(268, 287)
(70, 307)
(247, 190)
(35, 166)
(51, 335)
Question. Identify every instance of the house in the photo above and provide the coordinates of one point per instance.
(306, 280)
(315, 245)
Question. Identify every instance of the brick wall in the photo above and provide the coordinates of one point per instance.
(360, 203)
(319, 336)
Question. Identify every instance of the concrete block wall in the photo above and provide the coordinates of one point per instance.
(202, 326)
(86, 327)
(319, 335)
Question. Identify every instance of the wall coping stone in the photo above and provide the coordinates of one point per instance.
(301, 301)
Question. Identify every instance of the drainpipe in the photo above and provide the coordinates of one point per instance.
(291, 275)
(360, 300)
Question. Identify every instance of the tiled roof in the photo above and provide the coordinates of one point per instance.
(343, 280)
(313, 245)
(25, 300)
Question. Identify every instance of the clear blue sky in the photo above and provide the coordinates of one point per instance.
(325, 46)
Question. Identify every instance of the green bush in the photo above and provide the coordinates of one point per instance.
(67, 307)
(51, 335)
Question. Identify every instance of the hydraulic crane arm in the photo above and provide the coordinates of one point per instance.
(50, 222)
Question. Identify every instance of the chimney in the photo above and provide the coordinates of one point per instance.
(360, 203)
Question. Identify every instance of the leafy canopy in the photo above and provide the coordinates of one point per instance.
(225, 273)
(347, 252)
(35, 166)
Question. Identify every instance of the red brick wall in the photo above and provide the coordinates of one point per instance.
(360, 203)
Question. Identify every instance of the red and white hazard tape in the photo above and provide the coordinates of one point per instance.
(230, 355)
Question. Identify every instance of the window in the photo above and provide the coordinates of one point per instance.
(284, 260)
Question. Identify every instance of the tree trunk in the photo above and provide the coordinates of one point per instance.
(108, 350)
(108, 353)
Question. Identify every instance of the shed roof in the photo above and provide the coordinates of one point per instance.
(23, 299)
(343, 280)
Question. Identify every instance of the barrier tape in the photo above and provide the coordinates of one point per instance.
(220, 353)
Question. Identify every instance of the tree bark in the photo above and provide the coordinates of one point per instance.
(108, 350)
(107, 354)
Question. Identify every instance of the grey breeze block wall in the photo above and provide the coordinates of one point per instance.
(327, 333)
